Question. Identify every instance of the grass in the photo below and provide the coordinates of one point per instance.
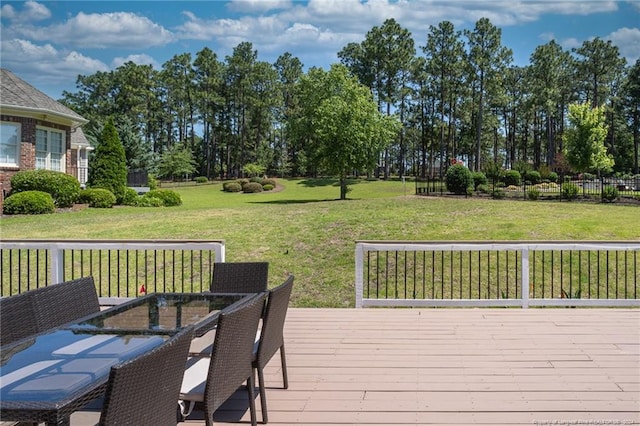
(303, 229)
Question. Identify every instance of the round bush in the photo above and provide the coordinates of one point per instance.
(256, 180)
(553, 177)
(569, 190)
(130, 197)
(232, 187)
(479, 178)
(267, 187)
(483, 188)
(609, 194)
(63, 188)
(251, 187)
(202, 179)
(267, 181)
(29, 202)
(169, 198)
(99, 198)
(512, 177)
(533, 177)
(498, 194)
(458, 179)
(150, 201)
(533, 194)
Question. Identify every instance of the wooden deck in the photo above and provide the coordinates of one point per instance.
(453, 367)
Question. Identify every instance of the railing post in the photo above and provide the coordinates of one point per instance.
(57, 265)
(525, 277)
(359, 274)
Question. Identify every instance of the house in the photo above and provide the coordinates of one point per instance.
(37, 132)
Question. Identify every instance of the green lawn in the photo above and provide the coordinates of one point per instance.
(303, 229)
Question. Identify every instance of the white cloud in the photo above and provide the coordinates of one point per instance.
(140, 59)
(570, 43)
(628, 42)
(253, 6)
(32, 11)
(44, 65)
(103, 30)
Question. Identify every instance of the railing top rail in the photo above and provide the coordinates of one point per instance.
(111, 244)
(376, 245)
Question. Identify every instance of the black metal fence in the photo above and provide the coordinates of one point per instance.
(628, 188)
(497, 274)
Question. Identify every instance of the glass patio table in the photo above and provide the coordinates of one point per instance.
(46, 377)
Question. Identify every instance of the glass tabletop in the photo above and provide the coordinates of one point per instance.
(161, 313)
(52, 372)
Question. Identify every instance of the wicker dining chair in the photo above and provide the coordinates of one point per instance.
(145, 390)
(65, 302)
(17, 318)
(240, 277)
(212, 380)
(272, 338)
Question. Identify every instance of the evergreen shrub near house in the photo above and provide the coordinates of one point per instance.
(479, 178)
(108, 164)
(512, 177)
(150, 201)
(169, 198)
(252, 187)
(232, 186)
(29, 202)
(458, 179)
(99, 198)
(63, 188)
(609, 194)
(130, 197)
(553, 177)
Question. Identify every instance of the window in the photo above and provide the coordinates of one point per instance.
(49, 149)
(9, 144)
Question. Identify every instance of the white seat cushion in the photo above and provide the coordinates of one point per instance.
(195, 379)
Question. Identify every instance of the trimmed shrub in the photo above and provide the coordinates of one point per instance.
(483, 188)
(251, 187)
(458, 179)
(609, 194)
(256, 180)
(29, 202)
(232, 187)
(533, 194)
(267, 187)
(533, 177)
(512, 177)
(202, 179)
(63, 188)
(268, 181)
(553, 177)
(152, 182)
(498, 194)
(100, 198)
(569, 190)
(479, 178)
(130, 197)
(242, 181)
(150, 201)
(169, 198)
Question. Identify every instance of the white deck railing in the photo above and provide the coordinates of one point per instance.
(483, 274)
(119, 267)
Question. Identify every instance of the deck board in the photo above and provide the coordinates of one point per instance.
(382, 366)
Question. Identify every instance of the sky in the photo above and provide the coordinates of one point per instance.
(50, 43)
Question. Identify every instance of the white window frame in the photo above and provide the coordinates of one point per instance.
(46, 158)
(16, 163)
